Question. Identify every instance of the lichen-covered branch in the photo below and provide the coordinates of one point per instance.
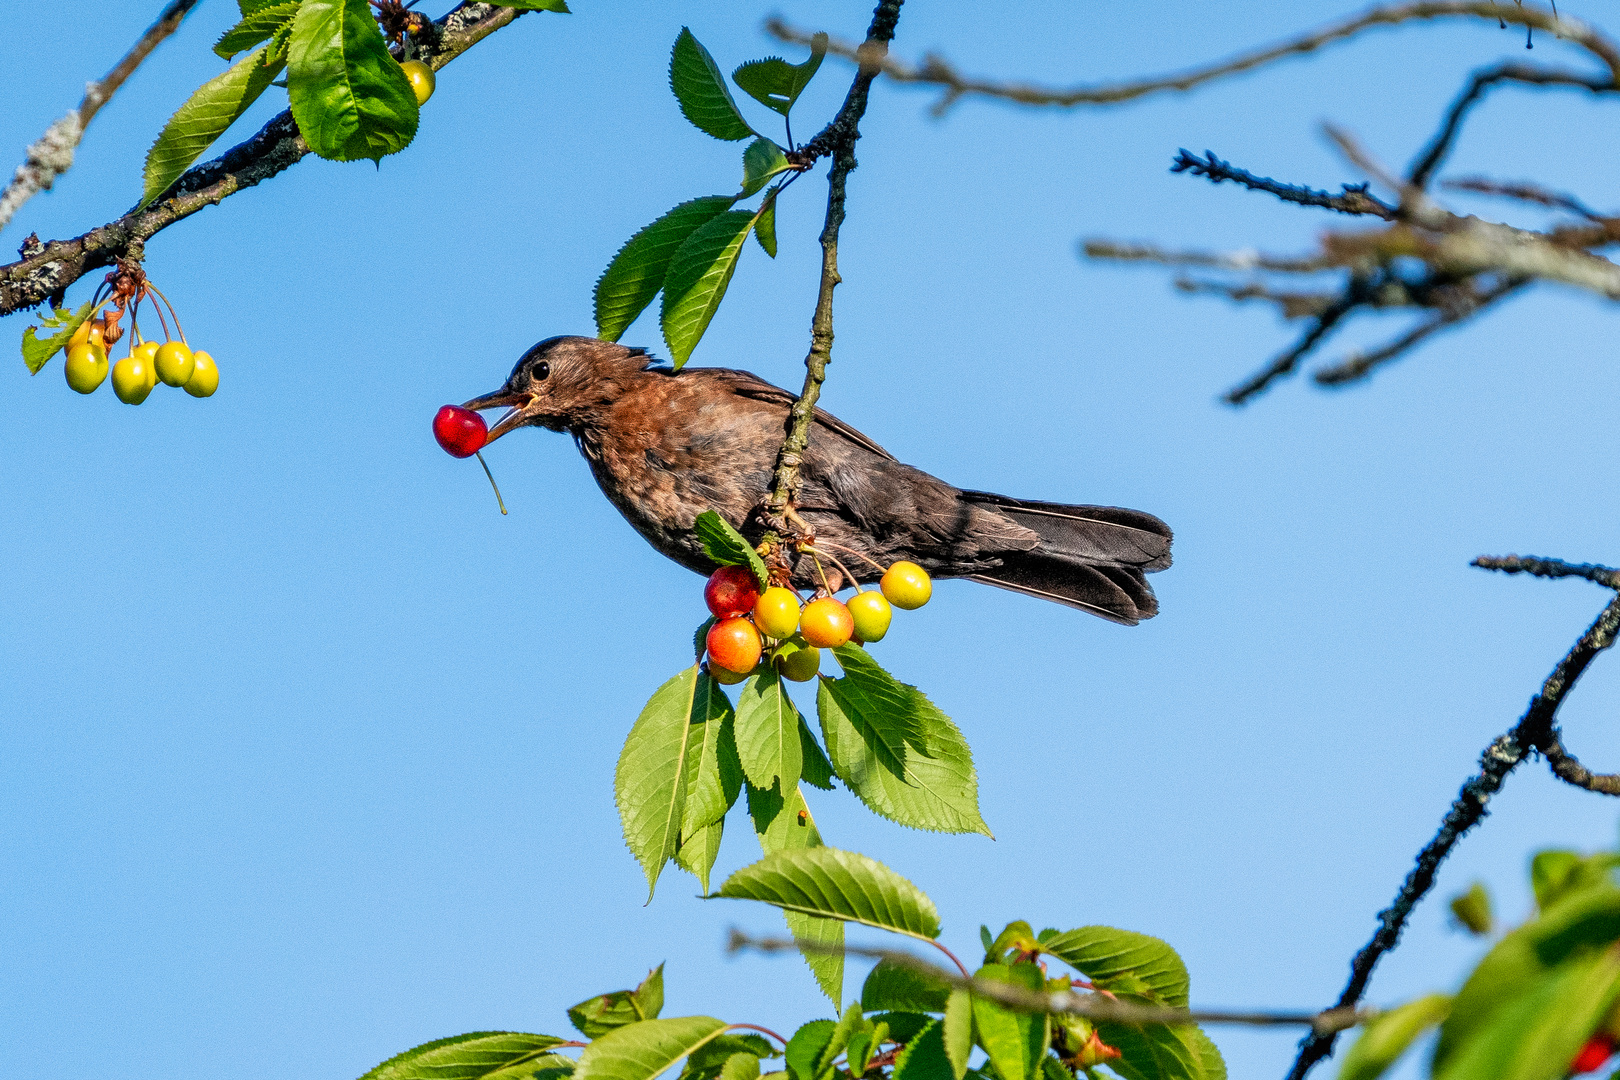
(46, 270)
(1535, 731)
(52, 155)
(934, 71)
(836, 140)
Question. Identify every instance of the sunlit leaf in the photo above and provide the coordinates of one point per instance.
(37, 351)
(697, 280)
(762, 160)
(787, 825)
(726, 546)
(701, 90)
(1387, 1036)
(478, 1055)
(643, 1051)
(637, 272)
(604, 1012)
(1124, 961)
(349, 96)
(837, 884)
(255, 28)
(777, 84)
(1016, 1041)
(202, 119)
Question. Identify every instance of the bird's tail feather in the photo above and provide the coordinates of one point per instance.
(1089, 557)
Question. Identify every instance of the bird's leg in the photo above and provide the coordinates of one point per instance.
(807, 535)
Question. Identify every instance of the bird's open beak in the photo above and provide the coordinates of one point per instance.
(520, 409)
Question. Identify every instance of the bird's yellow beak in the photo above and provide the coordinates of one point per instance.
(520, 408)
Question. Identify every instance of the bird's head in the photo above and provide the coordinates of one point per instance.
(563, 383)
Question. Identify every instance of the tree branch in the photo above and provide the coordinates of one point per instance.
(1524, 192)
(837, 140)
(1353, 200)
(52, 155)
(1534, 731)
(47, 270)
(935, 71)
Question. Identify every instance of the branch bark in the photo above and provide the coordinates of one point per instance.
(837, 140)
(47, 270)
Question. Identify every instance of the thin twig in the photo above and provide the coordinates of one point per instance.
(1534, 731)
(47, 270)
(1092, 1006)
(1359, 365)
(1524, 192)
(52, 155)
(934, 71)
(1098, 248)
(1288, 361)
(1353, 200)
(837, 140)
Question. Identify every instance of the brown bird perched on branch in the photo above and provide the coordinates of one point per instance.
(666, 446)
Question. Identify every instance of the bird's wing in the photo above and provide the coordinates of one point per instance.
(747, 384)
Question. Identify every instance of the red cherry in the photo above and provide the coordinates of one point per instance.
(460, 431)
(1598, 1049)
(734, 644)
(732, 590)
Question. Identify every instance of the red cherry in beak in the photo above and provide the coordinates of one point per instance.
(461, 432)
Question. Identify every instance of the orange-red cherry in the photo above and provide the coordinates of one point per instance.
(461, 432)
(1598, 1050)
(734, 644)
(826, 623)
(731, 590)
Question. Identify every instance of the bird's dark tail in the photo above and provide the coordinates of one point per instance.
(1089, 557)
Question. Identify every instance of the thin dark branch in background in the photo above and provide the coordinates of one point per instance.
(1354, 199)
(46, 270)
(1285, 364)
(52, 155)
(1524, 192)
(1362, 364)
(1535, 731)
(1292, 305)
(1223, 260)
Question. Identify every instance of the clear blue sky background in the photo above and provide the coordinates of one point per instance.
(308, 752)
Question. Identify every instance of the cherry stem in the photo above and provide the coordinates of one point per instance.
(161, 320)
(820, 571)
(177, 327)
(952, 955)
(835, 562)
(756, 1027)
(498, 500)
(852, 551)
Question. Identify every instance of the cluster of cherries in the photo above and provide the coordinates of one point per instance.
(148, 362)
(750, 622)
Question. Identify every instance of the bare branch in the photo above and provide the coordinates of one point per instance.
(1567, 768)
(1223, 260)
(1353, 200)
(1092, 1006)
(934, 71)
(1534, 731)
(52, 155)
(1524, 191)
(1286, 363)
(1289, 305)
(1359, 365)
(49, 269)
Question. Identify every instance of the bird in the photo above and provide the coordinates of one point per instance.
(666, 445)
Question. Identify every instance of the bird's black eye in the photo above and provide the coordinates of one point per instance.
(541, 370)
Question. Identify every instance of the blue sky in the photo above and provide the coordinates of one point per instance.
(309, 752)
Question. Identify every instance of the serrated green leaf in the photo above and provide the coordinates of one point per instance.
(896, 750)
(817, 769)
(898, 986)
(349, 96)
(643, 1051)
(714, 776)
(652, 778)
(697, 280)
(767, 732)
(249, 7)
(848, 1024)
(1124, 961)
(1015, 1041)
(255, 28)
(604, 1012)
(495, 1055)
(1536, 1033)
(709, 1061)
(903, 1026)
(701, 90)
(637, 272)
(787, 825)
(696, 853)
(777, 84)
(1388, 1035)
(726, 546)
(837, 884)
(804, 1048)
(762, 159)
(204, 118)
(37, 351)
(1159, 1051)
(765, 225)
(559, 6)
(923, 1057)
(740, 1067)
(958, 1031)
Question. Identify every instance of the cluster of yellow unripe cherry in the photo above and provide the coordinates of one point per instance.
(751, 626)
(148, 363)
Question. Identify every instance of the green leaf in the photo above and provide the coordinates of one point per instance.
(348, 95)
(1209, 1055)
(1123, 961)
(740, 1067)
(924, 1057)
(786, 825)
(726, 546)
(848, 1024)
(473, 1056)
(896, 750)
(714, 776)
(1584, 921)
(559, 6)
(1472, 910)
(1015, 1041)
(1536, 1033)
(643, 1051)
(709, 1061)
(762, 160)
(765, 225)
(651, 782)
(903, 1026)
(899, 986)
(817, 769)
(840, 885)
(1160, 1051)
(601, 1014)
(697, 280)
(805, 1046)
(255, 28)
(637, 272)
(249, 7)
(1387, 1036)
(701, 90)
(696, 853)
(36, 351)
(958, 1030)
(202, 119)
(777, 84)
(1555, 874)
(767, 728)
